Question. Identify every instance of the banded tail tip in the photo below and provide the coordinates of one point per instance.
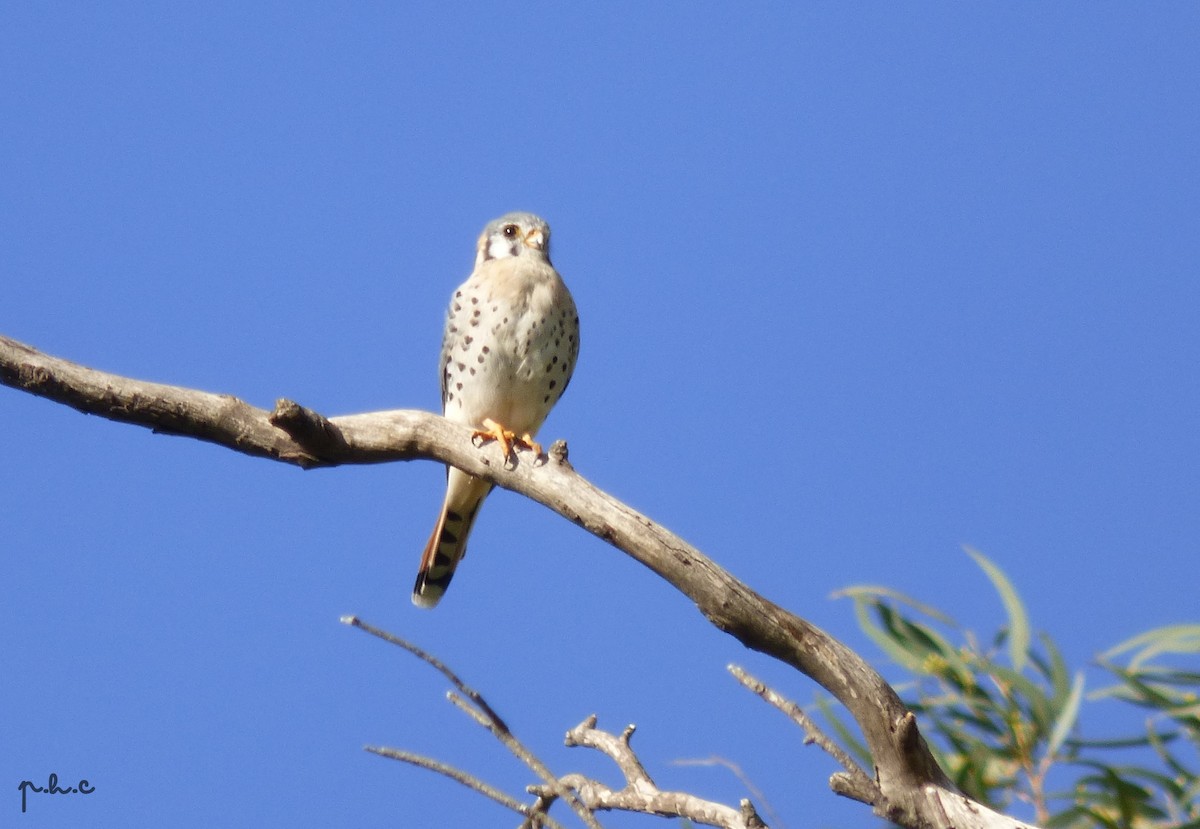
(426, 601)
(427, 592)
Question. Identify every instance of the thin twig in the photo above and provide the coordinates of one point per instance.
(812, 733)
(467, 779)
(742, 777)
(486, 716)
(522, 753)
(466, 690)
(640, 793)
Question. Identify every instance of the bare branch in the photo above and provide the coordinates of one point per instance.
(586, 734)
(861, 783)
(468, 780)
(485, 716)
(913, 789)
(640, 794)
(742, 777)
(467, 691)
(523, 753)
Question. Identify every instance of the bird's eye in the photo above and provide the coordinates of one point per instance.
(510, 231)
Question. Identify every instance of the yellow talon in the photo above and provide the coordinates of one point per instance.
(528, 441)
(494, 431)
(507, 439)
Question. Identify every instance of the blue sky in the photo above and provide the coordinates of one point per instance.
(859, 284)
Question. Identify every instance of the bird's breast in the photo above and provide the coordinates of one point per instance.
(510, 345)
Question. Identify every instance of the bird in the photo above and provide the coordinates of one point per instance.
(508, 352)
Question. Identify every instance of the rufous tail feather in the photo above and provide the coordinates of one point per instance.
(448, 543)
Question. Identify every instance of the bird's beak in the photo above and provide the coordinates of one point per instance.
(535, 239)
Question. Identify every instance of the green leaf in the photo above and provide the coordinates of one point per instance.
(1071, 817)
(1098, 818)
(993, 726)
(1143, 690)
(917, 639)
(1125, 742)
(1018, 619)
(1169, 639)
(882, 638)
(1114, 787)
(1066, 717)
(1057, 672)
(960, 677)
(1023, 696)
(872, 591)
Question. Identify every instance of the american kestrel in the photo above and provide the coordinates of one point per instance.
(512, 336)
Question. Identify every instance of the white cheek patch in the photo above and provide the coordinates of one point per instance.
(500, 247)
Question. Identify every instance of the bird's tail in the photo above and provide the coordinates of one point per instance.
(448, 543)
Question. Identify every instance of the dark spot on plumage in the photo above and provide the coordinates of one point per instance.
(440, 559)
(506, 321)
(469, 339)
(457, 307)
(451, 515)
(480, 358)
(472, 371)
(474, 321)
(553, 383)
(564, 368)
(486, 350)
(450, 395)
(460, 366)
(548, 367)
(457, 386)
(546, 399)
(474, 300)
(458, 294)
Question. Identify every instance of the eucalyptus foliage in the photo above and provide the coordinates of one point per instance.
(1013, 723)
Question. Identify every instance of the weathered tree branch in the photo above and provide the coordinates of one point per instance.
(853, 782)
(913, 791)
(530, 813)
(640, 793)
(477, 708)
(584, 795)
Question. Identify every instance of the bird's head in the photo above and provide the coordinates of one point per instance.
(512, 235)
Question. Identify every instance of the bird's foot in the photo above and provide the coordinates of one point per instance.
(526, 441)
(507, 439)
